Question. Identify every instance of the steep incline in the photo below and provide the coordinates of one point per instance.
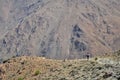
(59, 28)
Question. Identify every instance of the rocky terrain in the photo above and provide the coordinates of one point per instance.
(59, 29)
(39, 68)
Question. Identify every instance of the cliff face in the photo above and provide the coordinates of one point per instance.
(59, 28)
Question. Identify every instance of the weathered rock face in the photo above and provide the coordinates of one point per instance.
(59, 28)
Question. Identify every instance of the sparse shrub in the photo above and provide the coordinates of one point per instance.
(69, 65)
(106, 75)
(64, 66)
(5, 61)
(108, 66)
(37, 72)
(96, 58)
(20, 78)
(93, 63)
(118, 52)
(99, 68)
(48, 65)
(63, 79)
(14, 57)
(73, 73)
(118, 78)
(23, 62)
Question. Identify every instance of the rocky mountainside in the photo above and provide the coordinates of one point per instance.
(39, 68)
(59, 29)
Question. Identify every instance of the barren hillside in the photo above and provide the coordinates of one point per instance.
(59, 29)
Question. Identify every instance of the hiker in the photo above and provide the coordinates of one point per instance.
(87, 56)
(4, 43)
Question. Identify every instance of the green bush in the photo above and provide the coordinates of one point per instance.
(118, 52)
(20, 78)
(37, 72)
(96, 58)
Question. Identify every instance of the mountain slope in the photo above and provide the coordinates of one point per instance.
(59, 28)
(38, 68)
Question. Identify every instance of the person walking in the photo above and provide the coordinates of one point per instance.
(87, 56)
